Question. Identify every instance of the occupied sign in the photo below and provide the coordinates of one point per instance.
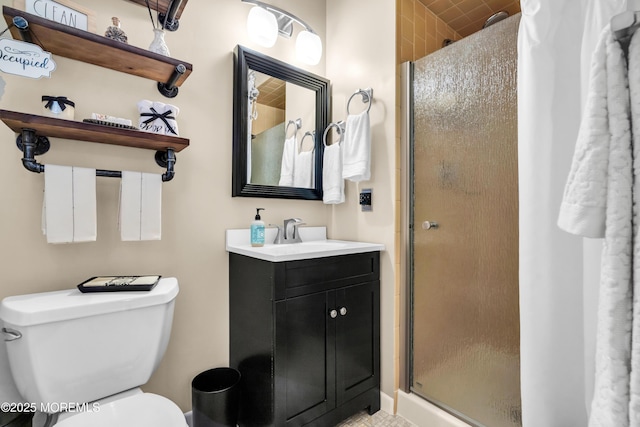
(25, 59)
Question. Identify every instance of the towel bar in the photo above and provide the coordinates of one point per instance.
(340, 127)
(297, 123)
(367, 97)
(33, 145)
(312, 134)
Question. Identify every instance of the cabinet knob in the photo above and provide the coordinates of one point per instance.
(343, 311)
(333, 313)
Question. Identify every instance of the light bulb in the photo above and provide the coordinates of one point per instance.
(262, 26)
(308, 47)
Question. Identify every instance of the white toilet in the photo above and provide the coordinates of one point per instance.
(85, 355)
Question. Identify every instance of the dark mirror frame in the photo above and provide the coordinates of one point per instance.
(245, 59)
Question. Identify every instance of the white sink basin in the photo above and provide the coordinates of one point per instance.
(238, 242)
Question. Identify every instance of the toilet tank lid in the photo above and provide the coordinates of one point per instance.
(47, 307)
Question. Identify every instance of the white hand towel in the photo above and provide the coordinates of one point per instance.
(356, 150)
(332, 181)
(303, 170)
(144, 106)
(159, 125)
(140, 206)
(69, 209)
(172, 119)
(148, 123)
(288, 159)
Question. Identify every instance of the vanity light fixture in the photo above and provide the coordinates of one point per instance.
(265, 22)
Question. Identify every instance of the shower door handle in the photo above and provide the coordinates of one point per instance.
(428, 225)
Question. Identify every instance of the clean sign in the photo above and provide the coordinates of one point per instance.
(57, 12)
(25, 59)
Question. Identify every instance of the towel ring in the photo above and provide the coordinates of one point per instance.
(367, 97)
(340, 127)
(307, 133)
(297, 123)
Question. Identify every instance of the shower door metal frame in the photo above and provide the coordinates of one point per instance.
(406, 223)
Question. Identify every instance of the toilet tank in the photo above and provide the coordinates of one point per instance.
(79, 347)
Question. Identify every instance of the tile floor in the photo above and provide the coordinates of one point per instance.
(379, 419)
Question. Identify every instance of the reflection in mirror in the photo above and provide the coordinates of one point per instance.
(280, 112)
(281, 115)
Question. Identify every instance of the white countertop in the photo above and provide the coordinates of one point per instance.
(314, 245)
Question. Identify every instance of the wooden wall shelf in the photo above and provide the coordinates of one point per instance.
(80, 131)
(98, 50)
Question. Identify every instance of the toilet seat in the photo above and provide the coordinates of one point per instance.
(140, 410)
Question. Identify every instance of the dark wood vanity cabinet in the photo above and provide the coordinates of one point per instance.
(305, 336)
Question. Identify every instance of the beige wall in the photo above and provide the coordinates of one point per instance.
(197, 204)
(360, 54)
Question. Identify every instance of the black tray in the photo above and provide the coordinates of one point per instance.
(119, 283)
(106, 123)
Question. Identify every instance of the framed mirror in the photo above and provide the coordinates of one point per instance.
(279, 115)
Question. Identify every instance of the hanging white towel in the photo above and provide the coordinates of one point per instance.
(356, 150)
(288, 159)
(332, 181)
(634, 89)
(69, 208)
(303, 170)
(140, 206)
(597, 202)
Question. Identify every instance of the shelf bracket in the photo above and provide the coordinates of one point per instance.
(168, 20)
(23, 27)
(169, 89)
(33, 145)
(166, 159)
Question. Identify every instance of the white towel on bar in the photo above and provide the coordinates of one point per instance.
(303, 171)
(288, 159)
(69, 208)
(356, 149)
(332, 181)
(140, 212)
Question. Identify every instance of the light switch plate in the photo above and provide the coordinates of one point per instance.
(365, 199)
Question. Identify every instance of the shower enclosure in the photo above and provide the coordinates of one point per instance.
(462, 229)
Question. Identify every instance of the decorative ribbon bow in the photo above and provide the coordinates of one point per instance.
(61, 100)
(155, 115)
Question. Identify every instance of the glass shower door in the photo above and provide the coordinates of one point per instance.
(465, 320)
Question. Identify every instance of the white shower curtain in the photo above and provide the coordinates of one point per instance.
(558, 272)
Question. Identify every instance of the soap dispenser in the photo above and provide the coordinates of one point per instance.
(257, 230)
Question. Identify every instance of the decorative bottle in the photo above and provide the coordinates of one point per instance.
(115, 32)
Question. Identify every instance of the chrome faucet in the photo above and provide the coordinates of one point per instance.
(289, 233)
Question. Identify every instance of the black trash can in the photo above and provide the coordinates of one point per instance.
(215, 396)
(15, 419)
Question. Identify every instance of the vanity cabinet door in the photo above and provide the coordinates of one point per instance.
(304, 358)
(357, 340)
